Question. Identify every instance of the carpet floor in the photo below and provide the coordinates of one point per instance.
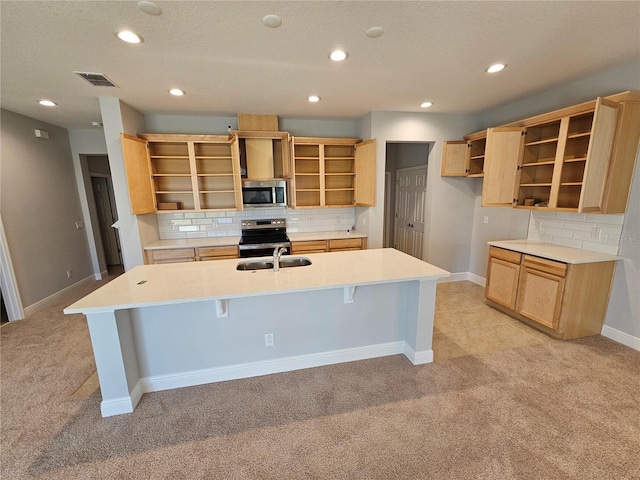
(553, 410)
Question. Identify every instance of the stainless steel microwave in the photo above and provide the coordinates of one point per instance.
(264, 193)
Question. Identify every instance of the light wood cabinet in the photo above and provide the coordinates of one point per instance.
(464, 158)
(333, 172)
(503, 273)
(576, 159)
(271, 150)
(182, 172)
(503, 150)
(563, 300)
(170, 255)
(331, 245)
(565, 161)
(217, 253)
(190, 254)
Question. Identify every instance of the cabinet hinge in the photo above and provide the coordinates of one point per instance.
(519, 167)
(515, 201)
(523, 133)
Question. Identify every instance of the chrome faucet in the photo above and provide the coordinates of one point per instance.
(277, 253)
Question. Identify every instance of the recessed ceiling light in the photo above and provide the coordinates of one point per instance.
(496, 67)
(47, 103)
(272, 21)
(129, 37)
(149, 8)
(375, 32)
(96, 124)
(177, 92)
(338, 55)
(314, 98)
(426, 104)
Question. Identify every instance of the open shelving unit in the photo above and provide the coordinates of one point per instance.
(565, 159)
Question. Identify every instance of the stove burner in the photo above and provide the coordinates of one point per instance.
(261, 237)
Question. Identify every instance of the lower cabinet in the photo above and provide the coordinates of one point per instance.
(563, 300)
(333, 245)
(176, 255)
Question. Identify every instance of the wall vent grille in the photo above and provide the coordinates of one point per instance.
(96, 79)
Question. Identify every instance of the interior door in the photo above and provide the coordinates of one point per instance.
(411, 187)
(106, 219)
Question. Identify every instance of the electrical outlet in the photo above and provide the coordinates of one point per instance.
(268, 340)
(78, 225)
(486, 219)
(69, 273)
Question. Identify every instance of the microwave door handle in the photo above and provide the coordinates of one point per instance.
(274, 199)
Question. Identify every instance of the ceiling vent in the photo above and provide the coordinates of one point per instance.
(96, 79)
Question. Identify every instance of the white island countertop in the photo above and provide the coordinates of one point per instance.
(175, 283)
(554, 252)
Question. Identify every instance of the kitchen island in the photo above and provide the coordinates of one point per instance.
(159, 327)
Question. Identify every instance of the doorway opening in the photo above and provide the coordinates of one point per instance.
(405, 196)
(104, 214)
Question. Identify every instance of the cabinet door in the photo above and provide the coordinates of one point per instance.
(365, 159)
(540, 296)
(502, 156)
(309, 246)
(454, 159)
(502, 282)
(138, 172)
(598, 156)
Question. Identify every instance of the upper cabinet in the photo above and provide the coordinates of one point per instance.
(565, 161)
(333, 172)
(503, 151)
(464, 158)
(182, 172)
(577, 159)
(264, 155)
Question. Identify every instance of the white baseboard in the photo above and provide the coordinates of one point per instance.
(460, 276)
(35, 306)
(245, 370)
(454, 277)
(621, 337)
(118, 406)
(477, 279)
(418, 358)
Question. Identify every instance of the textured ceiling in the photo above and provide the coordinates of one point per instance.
(227, 61)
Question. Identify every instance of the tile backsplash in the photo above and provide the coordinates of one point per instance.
(599, 233)
(223, 224)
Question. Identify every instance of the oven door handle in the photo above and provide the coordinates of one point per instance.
(256, 246)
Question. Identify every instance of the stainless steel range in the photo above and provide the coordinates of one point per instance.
(261, 237)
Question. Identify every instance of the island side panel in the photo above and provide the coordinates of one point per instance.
(187, 344)
(116, 361)
(417, 310)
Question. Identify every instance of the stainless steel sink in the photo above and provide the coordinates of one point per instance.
(285, 262)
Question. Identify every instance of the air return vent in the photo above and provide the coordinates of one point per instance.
(96, 79)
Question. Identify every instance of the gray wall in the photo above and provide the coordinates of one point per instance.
(39, 207)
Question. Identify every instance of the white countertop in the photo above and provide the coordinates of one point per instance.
(175, 283)
(234, 239)
(554, 252)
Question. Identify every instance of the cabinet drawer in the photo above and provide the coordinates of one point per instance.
(214, 253)
(309, 246)
(543, 265)
(345, 244)
(176, 254)
(506, 255)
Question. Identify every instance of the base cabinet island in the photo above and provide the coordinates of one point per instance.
(159, 327)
